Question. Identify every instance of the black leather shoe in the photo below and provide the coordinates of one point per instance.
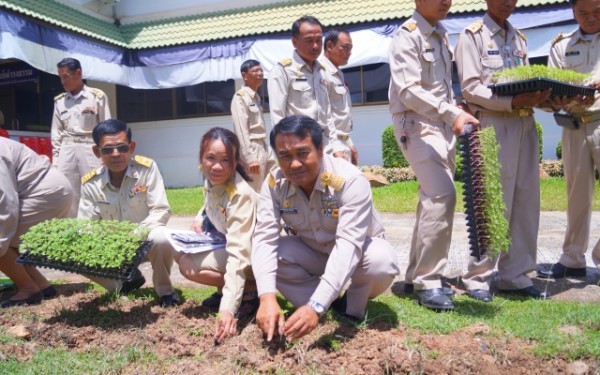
(530, 292)
(558, 271)
(214, 301)
(31, 300)
(170, 300)
(480, 295)
(434, 299)
(249, 305)
(339, 304)
(410, 289)
(130, 286)
(49, 292)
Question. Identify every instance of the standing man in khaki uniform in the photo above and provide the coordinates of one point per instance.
(337, 235)
(249, 125)
(579, 51)
(31, 191)
(338, 48)
(425, 121)
(129, 188)
(487, 46)
(298, 86)
(76, 112)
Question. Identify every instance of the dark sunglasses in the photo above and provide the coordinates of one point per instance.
(108, 150)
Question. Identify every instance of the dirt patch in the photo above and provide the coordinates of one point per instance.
(179, 340)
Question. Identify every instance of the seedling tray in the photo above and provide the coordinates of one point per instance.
(540, 84)
(127, 272)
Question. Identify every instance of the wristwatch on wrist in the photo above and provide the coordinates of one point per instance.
(317, 308)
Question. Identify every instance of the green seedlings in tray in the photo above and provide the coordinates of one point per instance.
(525, 72)
(494, 207)
(94, 244)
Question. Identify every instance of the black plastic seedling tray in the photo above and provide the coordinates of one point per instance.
(127, 272)
(540, 84)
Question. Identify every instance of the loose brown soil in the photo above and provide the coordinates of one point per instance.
(180, 339)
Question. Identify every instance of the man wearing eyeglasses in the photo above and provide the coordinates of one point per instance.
(129, 188)
(487, 46)
(337, 48)
(76, 112)
(249, 125)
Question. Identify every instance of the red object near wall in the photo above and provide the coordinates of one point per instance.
(4, 133)
(41, 145)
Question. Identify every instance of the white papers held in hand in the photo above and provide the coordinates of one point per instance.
(188, 241)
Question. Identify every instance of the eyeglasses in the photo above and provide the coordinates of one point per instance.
(108, 150)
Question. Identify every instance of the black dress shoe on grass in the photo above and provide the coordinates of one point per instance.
(31, 300)
(170, 300)
(434, 299)
(530, 292)
(130, 286)
(558, 271)
(480, 295)
(214, 301)
(410, 289)
(49, 292)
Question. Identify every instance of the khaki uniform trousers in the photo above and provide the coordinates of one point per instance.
(300, 267)
(430, 151)
(51, 199)
(581, 154)
(160, 257)
(214, 260)
(266, 160)
(75, 160)
(520, 178)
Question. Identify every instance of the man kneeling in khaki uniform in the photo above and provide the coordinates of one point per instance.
(336, 234)
(129, 188)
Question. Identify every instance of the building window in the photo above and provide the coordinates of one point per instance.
(205, 99)
(368, 84)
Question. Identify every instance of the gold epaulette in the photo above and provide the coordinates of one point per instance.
(556, 38)
(146, 162)
(330, 179)
(231, 190)
(475, 26)
(522, 35)
(60, 95)
(98, 93)
(241, 92)
(90, 174)
(410, 26)
(271, 181)
(285, 62)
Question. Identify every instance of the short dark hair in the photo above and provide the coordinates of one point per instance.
(301, 127)
(572, 2)
(333, 35)
(308, 19)
(232, 147)
(110, 127)
(248, 64)
(69, 63)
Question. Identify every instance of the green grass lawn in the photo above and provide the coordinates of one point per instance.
(399, 197)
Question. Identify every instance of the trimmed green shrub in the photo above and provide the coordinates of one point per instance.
(540, 133)
(392, 156)
(559, 150)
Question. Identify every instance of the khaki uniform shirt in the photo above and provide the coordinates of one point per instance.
(572, 51)
(21, 170)
(339, 98)
(231, 208)
(140, 199)
(421, 71)
(335, 220)
(77, 117)
(248, 123)
(482, 49)
(297, 89)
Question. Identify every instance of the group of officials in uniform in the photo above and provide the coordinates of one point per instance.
(318, 238)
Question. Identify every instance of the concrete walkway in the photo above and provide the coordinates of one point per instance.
(399, 230)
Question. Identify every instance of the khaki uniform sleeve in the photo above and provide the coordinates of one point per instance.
(470, 75)
(88, 207)
(266, 240)
(241, 219)
(56, 132)
(9, 203)
(241, 127)
(103, 109)
(158, 205)
(277, 86)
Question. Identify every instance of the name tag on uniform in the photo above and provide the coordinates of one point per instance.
(288, 211)
(301, 79)
(572, 53)
(493, 52)
(429, 49)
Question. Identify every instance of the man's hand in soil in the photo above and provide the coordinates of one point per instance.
(302, 322)
(269, 316)
(226, 326)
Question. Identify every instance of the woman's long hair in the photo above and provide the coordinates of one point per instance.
(232, 147)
